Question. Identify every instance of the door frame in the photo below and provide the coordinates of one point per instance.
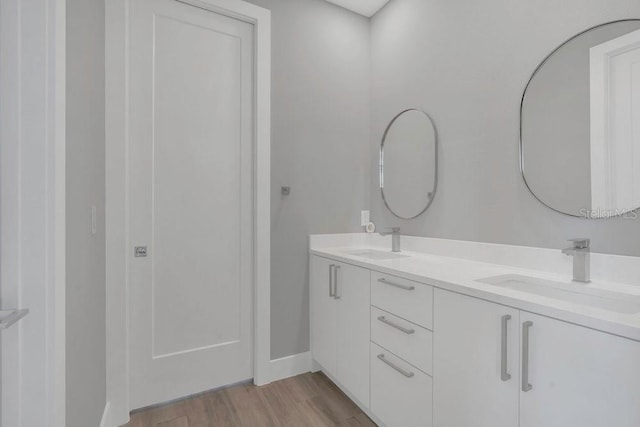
(32, 210)
(605, 154)
(117, 235)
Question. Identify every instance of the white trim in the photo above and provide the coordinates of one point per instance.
(117, 25)
(262, 269)
(290, 366)
(117, 315)
(10, 206)
(105, 415)
(32, 203)
(57, 215)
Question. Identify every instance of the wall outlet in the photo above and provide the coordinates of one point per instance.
(365, 218)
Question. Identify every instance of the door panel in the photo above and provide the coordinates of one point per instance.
(191, 197)
(579, 377)
(187, 126)
(468, 388)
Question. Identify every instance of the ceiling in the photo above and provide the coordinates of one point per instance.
(367, 8)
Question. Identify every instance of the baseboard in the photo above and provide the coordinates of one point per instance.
(282, 368)
(290, 366)
(105, 415)
(113, 417)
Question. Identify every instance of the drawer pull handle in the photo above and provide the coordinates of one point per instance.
(407, 331)
(504, 375)
(331, 291)
(335, 282)
(397, 285)
(526, 326)
(397, 368)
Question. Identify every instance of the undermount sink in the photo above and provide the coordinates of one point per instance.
(374, 254)
(581, 294)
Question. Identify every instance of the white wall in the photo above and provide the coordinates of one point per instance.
(466, 63)
(320, 145)
(86, 352)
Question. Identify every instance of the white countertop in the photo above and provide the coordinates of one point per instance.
(461, 275)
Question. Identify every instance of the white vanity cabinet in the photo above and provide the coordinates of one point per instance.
(528, 370)
(371, 334)
(469, 388)
(339, 312)
(323, 313)
(579, 377)
(415, 355)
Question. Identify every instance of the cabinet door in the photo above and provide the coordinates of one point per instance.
(322, 312)
(469, 389)
(579, 377)
(353, 303)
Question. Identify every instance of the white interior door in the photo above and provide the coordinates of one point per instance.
(615, 124)
(190, 200)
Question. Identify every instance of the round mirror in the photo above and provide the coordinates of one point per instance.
(408, 164)
(580, 124)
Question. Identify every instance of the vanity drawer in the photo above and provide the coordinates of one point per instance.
(404, 298)
(411, 342)
(401, 395)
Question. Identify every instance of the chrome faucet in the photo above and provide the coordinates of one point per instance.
(395, 238)
(581, 253)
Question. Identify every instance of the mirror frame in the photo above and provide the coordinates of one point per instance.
(381, 163)
(524, 96)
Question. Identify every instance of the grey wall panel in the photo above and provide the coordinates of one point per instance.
(319, 146)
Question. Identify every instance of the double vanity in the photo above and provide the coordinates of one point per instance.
(464, 334)
(448, 333)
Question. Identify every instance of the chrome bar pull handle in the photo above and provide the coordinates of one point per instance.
(407, 374)
(397, 285)
(335, 281)
(526, 326)
(407, 331)
(331, 293)
(504, 375)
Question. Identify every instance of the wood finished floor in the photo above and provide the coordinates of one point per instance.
(306, 400)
